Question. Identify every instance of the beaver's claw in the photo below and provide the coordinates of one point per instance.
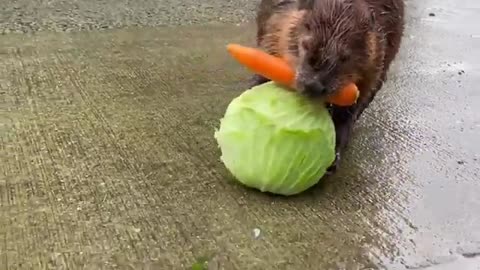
(333, 168)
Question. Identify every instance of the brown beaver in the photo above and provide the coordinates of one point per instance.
(331, 43)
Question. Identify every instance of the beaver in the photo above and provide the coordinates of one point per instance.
(331, 43)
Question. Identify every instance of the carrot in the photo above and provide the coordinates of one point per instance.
(347, 96)
(278, 70)
(269, 66)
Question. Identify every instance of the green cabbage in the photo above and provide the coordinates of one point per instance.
(276, 140)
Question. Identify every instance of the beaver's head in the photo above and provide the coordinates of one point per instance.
(333, 45)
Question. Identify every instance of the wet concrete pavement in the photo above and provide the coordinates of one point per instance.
(108, 160)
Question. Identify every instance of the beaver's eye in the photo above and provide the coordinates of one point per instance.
(308, 27)
(343, 58)
(306, 43)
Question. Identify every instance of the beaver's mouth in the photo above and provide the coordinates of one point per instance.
(313, 87)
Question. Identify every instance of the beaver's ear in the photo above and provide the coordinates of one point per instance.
(373, 19)
(369, 19)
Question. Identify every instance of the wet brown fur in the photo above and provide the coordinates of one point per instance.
(279, 31)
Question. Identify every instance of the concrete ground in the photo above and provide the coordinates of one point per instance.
(108, 161)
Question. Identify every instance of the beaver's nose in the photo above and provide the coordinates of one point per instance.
(315, 88)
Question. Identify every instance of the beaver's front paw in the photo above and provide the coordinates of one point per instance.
(333, 168)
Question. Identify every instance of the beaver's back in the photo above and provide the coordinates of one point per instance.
(390, 17)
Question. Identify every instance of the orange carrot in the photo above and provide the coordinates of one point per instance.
(278, 70)
(346, 96)
(269, 66)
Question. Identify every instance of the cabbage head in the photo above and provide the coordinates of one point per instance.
(276, 140)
